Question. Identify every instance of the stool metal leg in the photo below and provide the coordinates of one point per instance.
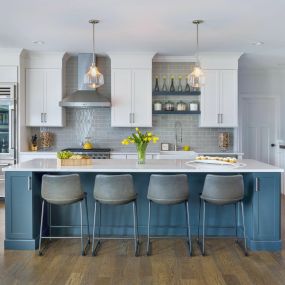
(243, 224)
(50, 227)
(95, 248)
(87, 218)
(41, 227)
(81, 230)
(236, 222)
(199, 219)
(148, 229)
(135, 228)
(204, 214)
(188, 228)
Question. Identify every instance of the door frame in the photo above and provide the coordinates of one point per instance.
(256, 96)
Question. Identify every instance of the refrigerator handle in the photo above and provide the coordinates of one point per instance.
(12, 128)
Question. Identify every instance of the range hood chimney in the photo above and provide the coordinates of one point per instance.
(85, 96)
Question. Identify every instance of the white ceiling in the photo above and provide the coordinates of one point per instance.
(163, 26)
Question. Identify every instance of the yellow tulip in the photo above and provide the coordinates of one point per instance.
(149, 134)
(137, 129)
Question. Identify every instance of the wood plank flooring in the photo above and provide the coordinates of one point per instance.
(115, 264)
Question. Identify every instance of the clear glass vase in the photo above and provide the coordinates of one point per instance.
(141, 150)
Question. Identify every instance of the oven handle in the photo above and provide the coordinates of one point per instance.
(5, 164)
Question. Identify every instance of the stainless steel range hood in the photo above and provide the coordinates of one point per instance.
(85, 96)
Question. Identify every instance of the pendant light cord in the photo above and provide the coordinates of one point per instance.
(93, 43)
(197, 42)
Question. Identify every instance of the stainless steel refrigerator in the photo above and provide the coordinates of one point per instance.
(8, 127)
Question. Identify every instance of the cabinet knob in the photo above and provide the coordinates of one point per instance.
(273, 145)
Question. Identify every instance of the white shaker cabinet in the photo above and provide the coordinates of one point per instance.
(43, 94)
(131, 90)
(219, 99)
(44, 88)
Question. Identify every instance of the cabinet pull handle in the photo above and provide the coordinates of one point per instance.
(41, 117)
(218, 118)
(222, 119)
(130, 118)
(45, 117)
(256, 184)
(133, 118)
(29, 183)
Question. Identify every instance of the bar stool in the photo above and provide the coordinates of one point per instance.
(168, 190)
(63, 190)
(222, 190)
(114, 190)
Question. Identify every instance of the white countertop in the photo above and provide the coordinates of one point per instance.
(151, 166)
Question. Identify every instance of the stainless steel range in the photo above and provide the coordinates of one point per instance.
(94, 153)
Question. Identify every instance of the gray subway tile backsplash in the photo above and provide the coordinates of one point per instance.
(96, 122)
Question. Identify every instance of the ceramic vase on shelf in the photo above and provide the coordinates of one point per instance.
(156, 87)
(164, 86)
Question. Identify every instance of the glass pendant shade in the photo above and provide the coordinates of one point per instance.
(196, 77)
(93, 78)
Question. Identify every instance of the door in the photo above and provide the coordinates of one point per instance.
(228, 98)
(259, 128)
(210, 99)
(142, 100)
(53, 95)
(35, 90)
(121, 110)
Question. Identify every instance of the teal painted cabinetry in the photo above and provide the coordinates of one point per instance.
(266, 209)
(21, 203)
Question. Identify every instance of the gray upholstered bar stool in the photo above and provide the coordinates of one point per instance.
(63, 190)
(222, 190)
(168, 190)
(114, 190)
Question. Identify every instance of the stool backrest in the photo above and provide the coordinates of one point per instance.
(113, 187)
(223, 189)
(61, 187)
(168, 187)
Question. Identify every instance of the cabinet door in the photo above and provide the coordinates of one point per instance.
(53, 95)
(210, 99)
(121, 98)
(142, 100)
(228, 98)
(35, 90)
(18, 205)
(266, 207)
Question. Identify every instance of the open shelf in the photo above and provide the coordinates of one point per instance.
(176, 93)
(176, 112)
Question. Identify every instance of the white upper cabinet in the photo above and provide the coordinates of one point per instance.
(219, 95)
(219, 99)
(44, 90)
(131, 90)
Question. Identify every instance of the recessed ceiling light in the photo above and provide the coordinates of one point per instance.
(259, 43)
(38, 42)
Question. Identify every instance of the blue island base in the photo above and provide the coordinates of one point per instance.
(262, 211)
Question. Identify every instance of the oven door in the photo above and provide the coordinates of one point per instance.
(3, 163)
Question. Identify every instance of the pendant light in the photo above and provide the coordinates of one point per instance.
(93, 78)
(196, 77)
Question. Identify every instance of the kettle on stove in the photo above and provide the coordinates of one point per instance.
(87, 144)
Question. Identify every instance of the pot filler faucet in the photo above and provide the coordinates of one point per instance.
(178, 134)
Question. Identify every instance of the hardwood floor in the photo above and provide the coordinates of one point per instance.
(115, 264)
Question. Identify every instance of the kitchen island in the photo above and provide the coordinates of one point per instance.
(262, 201)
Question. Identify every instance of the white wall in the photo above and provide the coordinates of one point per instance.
(262, 76)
